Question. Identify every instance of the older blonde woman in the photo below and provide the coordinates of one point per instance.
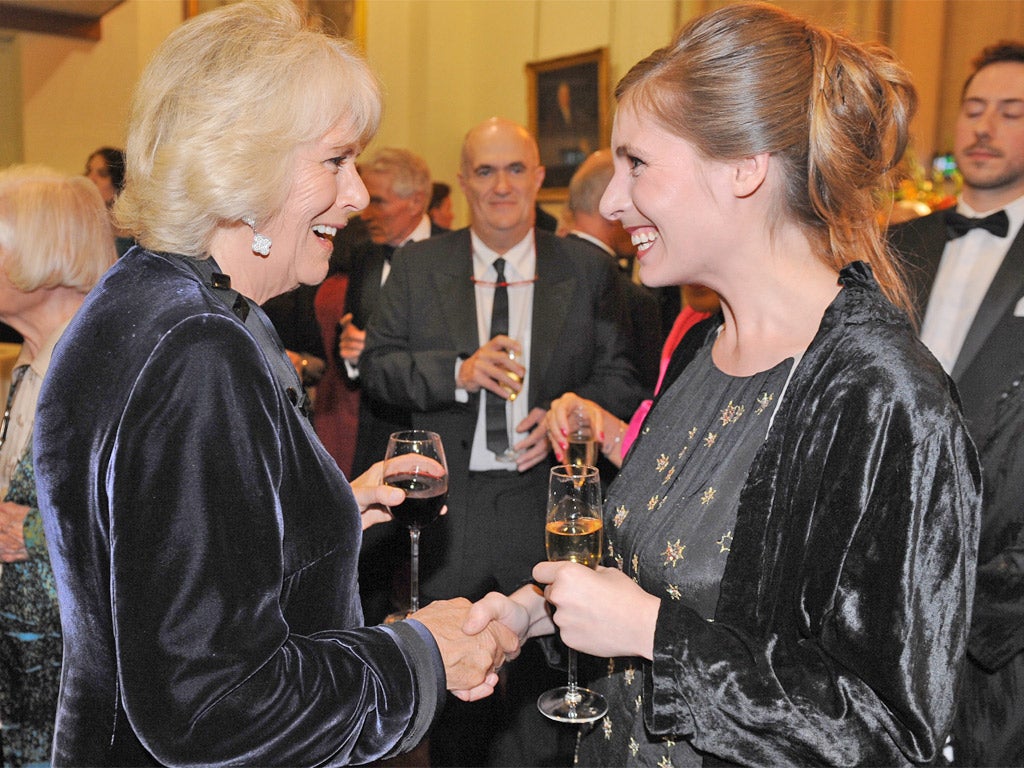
(205, 543)
(55, 242)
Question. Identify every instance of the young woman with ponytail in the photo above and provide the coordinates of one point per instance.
(791, 540)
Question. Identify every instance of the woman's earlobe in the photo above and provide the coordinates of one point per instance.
(749, 174)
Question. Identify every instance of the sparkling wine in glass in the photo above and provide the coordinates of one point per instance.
(573, 531)
(581, 450)
(510, 454)
(415, 462)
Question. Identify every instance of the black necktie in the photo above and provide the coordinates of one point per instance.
(957, 224)
(497, 437)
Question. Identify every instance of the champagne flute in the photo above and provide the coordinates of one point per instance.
(573, 531)
(415, 462)
(510, 454)
(581, 450)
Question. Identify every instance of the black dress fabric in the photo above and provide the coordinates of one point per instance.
(841, 625)
(674, 515)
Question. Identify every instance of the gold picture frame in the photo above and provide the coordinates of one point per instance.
(345, 18)
(567, 102)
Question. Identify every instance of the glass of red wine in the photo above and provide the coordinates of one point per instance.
(415, 462)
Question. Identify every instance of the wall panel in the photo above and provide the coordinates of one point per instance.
(446, 64)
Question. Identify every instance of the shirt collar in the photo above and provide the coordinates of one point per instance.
(421, 232)
(520, 259)
(591, 239)
(1014, 212)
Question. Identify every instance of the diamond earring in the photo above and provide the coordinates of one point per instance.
(260, 243)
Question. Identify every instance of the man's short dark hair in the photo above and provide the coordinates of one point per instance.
(1004, 50)
(439, 191)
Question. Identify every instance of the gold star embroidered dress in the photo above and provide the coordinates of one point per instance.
(673, 510)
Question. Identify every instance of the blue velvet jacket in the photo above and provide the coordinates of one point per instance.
(205, 545)
(842, 625)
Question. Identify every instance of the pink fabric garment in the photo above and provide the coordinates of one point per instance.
(685, 320)
(336, 412)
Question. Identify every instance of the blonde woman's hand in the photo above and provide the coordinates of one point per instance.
(471, 661)
(374, 497)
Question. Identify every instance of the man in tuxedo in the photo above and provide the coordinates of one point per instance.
(612, 240)
(967, 270)
(466, 321)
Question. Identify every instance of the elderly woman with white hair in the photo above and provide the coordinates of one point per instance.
(55, 243)
(205, 543)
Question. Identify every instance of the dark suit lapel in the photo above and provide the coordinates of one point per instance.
(552, 297)
(919, 244)
(1002, 293)
(933, 244)
(371, 287)
(365, 285)
(452, 285)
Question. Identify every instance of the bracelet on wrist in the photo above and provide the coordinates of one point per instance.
(617, 440)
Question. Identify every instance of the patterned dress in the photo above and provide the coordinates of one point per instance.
(30, 640)
(669, 521)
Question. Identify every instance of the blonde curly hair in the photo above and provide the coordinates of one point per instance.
(219, 111)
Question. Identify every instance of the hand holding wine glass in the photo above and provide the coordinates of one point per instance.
(574, 532)
(571, 418)
(581, 448)
(511, 455)
(415, 462)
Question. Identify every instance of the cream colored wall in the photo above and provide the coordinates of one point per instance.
(12, 148)
(447, 64)
(75, 93)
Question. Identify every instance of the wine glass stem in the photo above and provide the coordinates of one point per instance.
(572, 696)
(510, 426)
(414, 570)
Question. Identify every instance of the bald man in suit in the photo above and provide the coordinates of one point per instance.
(430, 348)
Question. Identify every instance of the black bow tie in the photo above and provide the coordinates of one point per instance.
(957, 224)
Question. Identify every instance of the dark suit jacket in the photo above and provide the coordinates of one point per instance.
(988, 373)
(377, 420)
(642, 323)
(426, 321)
(364, 278)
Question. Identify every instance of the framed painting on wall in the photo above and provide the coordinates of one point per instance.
(568, 113)
(345, 18)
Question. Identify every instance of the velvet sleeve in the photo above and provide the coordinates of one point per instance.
(843, 617)
(209, 669)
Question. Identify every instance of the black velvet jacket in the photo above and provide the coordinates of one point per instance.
(841, 628)
(205, 545)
